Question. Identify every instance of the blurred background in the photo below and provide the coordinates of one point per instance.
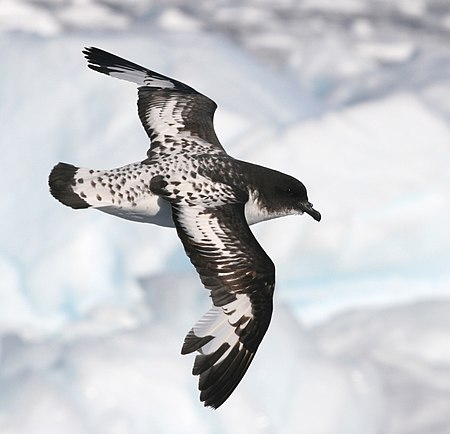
(352, 97)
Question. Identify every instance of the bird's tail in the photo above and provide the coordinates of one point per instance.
(79, 187)
(122, 192)
(64, 186)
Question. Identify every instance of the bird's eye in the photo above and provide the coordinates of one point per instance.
(289, 191)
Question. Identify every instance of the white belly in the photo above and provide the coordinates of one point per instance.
(150, 209)
(154, 209)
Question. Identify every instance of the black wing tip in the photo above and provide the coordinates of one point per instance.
(103, 61)
(60, 182)
(214, 397)
(217, 383)
(94, 52)
(97, 59)
(88, 50)
(96, 55)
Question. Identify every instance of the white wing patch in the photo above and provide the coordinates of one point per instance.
(200, 228)
(168, 117)
(141, 78)
(220, 323)
(158, 82)
(138, 77)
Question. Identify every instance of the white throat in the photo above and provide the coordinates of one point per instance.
(254, 212)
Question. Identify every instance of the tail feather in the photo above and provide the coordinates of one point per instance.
(123, 192)
(61, 182)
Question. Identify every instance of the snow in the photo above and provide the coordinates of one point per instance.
(93, 309)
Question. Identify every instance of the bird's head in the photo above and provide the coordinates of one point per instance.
(285, 194)
(292, 195)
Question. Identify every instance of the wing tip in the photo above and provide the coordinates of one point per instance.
(100, 60)
(93, 53)
(219, 371)
(218, 382)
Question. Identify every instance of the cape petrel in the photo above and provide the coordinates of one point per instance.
(188, 181)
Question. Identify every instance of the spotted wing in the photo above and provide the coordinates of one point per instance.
(172, 113)
(241, 278)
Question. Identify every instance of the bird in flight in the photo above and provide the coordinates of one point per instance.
(188, 181)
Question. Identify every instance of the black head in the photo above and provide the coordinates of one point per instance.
(285, 192)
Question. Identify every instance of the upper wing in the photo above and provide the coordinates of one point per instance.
(170, 111)
(241, 278)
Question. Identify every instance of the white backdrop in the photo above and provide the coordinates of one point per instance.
(94, 310)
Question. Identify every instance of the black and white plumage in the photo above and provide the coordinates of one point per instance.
(190, 182)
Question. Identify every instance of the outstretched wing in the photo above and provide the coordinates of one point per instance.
(171, 112)
(241, 278)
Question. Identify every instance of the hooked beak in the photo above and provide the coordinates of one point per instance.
(308, 208)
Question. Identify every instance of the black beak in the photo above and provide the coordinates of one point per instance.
(308, 208)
